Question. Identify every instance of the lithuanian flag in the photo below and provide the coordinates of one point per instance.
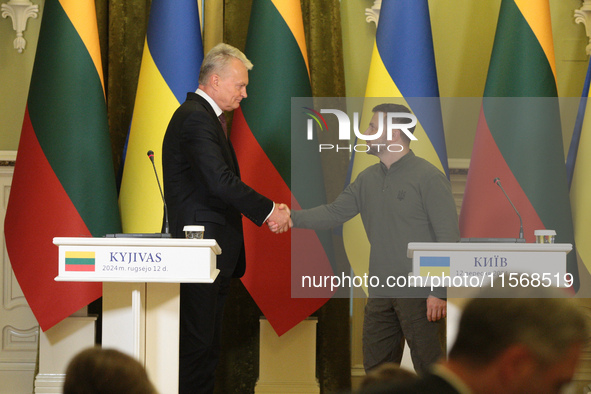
(64, 183)
(261, 135)
(80, 261)
(519, 138)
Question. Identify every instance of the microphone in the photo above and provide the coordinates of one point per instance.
(497, 181)
(166, 226)
(166, 233)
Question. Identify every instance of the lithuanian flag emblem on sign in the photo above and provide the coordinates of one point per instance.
(79, 261)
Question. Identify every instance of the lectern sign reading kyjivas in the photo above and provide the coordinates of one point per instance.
(137, 260)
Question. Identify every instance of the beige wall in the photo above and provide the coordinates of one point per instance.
(15, 75)
(463, 32)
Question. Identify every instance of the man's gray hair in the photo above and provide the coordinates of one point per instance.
(548, 327)
(218, 58)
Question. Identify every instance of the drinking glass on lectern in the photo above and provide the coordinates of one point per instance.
(545, 236)
(194, 232)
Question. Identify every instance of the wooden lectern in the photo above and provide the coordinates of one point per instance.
(141, 289)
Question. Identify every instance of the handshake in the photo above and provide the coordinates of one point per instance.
(280, 219)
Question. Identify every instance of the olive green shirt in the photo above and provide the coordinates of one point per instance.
(409, 202)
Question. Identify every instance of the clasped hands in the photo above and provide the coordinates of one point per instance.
(280, 219)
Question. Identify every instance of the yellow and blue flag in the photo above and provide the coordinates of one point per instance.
(173, 52)
(578, 165)
(402, 66)
(434, 265)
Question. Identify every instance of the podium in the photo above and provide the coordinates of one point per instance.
(141, 292)
(476, 264)
(469, 266)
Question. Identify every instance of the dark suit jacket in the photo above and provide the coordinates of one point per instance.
(202, 183)
(427, 384)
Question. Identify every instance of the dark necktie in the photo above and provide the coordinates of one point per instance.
(222, 118)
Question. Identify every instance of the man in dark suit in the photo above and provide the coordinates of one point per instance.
(509, 341)
(202, 186)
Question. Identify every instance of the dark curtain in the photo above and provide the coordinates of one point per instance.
(122, 30)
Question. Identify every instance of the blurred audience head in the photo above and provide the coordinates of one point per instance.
(106, 371)
(387, 373)
(525, 340)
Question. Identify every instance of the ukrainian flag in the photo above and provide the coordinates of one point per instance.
(578, 165)
(402, 67)
(434, 265)
(172, 57)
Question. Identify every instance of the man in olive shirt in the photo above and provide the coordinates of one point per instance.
(401, 199)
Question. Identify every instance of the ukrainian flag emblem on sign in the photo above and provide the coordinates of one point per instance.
(80, 261)
(434, 266)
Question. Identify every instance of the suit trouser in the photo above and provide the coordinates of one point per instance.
(201, 313)
(388, 321)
